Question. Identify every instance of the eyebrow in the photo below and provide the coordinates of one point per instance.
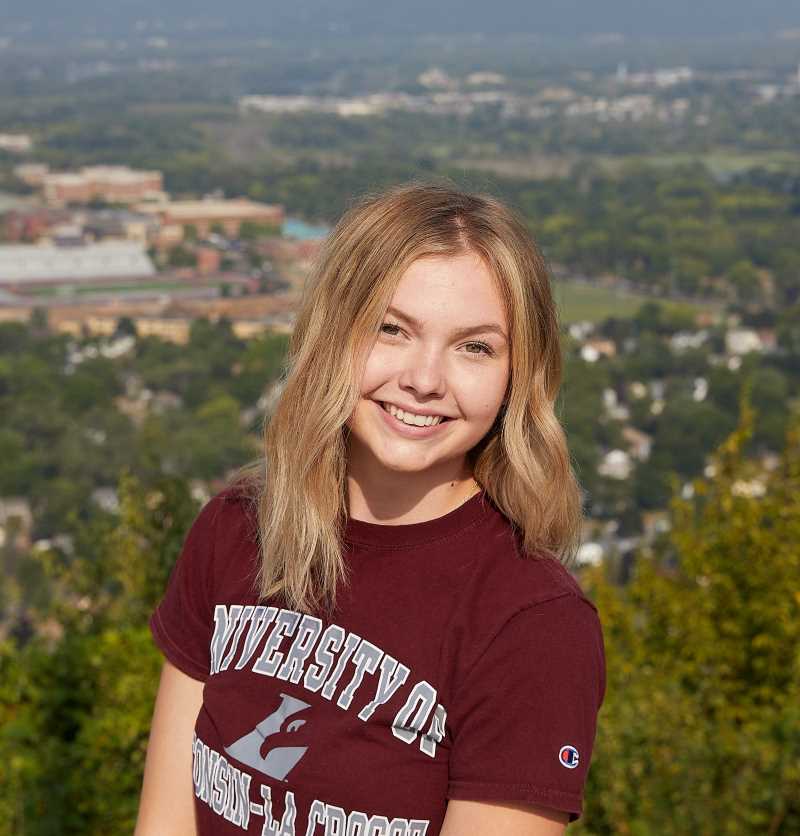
(458, 333)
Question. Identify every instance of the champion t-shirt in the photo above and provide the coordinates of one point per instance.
(453, 667)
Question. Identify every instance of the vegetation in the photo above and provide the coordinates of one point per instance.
(700, 729)
(700, 732)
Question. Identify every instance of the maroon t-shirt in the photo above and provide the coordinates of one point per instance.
(453, 667)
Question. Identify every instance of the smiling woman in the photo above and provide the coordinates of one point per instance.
(428, 370)
(372, 631)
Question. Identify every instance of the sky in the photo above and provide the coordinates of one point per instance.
(562, 18)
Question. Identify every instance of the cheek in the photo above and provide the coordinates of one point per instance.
(377, 370)
(487, 392)
(488, 410)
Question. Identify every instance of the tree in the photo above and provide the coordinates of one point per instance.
(38, 319)
(787, 333)
(744, 278)
(180, 256)
(700, 730)
(252, 230)
(126, 327)
(75, 710)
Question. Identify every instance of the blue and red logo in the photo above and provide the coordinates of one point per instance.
(568, 756)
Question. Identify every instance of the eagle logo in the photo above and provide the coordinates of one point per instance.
(255, 749)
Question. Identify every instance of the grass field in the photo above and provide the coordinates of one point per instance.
(72, 290)
(578, 302)
(720, 162)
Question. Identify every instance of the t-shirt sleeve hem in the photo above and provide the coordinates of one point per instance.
(174, 653)
(555, 799)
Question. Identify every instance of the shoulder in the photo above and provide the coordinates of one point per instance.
(229, 519)
(507, 597)
(233, 504)
(508, 576)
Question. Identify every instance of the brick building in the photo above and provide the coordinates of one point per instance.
(205, 215)
(112, 184)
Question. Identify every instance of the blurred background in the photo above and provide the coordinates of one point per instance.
(167, 172)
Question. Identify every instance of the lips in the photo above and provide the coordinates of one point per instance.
(385, 404)
(400, 428)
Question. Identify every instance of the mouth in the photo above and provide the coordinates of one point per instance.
(412, 421)
(405, 417)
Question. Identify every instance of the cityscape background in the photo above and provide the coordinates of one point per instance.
(167, 174)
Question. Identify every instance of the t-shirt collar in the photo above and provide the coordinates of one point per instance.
(413, 534)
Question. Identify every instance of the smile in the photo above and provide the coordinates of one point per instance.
(413, 419)
(410, 424)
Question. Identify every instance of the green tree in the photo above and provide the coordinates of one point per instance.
(181, 256)
(126, 327)
(252, 230)
(75, 708)
(744, 278)
(787, 333)
(700, 730)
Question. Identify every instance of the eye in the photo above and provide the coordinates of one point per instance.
(295, 725)
(392, 329)
(390, 325)
(483, 348)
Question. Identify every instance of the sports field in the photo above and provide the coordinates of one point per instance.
(578, 301)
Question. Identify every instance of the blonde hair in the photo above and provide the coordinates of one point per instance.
(523, 464)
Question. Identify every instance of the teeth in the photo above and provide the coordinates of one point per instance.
(411, 419)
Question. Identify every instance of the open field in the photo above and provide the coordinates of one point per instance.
(72, 290)
(577, 301)
(720, 163)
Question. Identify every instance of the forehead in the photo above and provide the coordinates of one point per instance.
(452, 288)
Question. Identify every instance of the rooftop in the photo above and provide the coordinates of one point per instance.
(178, 209)
(30, 262)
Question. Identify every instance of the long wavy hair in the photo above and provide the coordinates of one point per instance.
(523, 463)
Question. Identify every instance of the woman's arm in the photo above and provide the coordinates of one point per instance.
(166, 807)
(479, 818)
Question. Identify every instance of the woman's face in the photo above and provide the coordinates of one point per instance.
(442, 351)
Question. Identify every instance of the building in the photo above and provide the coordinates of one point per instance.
(15, 143)
(208, 260)
(742, 341)
(16, 521)
(615, 464)
(27, 225)
(119, 224)
(110, 184)
(32, 174)
(205, 215)
(173, 329)
(639, 444)
(594, 349)
(25, 265)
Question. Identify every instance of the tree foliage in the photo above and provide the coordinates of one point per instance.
(700, 731)
(75, 708)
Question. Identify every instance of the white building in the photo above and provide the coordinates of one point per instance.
(15, 143)
(742, 341)
(616, 464)
(29, 264)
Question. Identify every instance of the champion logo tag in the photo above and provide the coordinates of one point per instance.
(568, 756)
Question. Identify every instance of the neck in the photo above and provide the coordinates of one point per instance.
(401, 504)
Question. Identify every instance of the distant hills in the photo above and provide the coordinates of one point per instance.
(298, 18)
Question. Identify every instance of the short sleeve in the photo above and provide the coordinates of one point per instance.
(182, 623)
(523, 719)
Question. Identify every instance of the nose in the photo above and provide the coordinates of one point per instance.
(423, 373)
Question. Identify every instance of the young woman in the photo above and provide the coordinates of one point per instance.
(372, 632)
